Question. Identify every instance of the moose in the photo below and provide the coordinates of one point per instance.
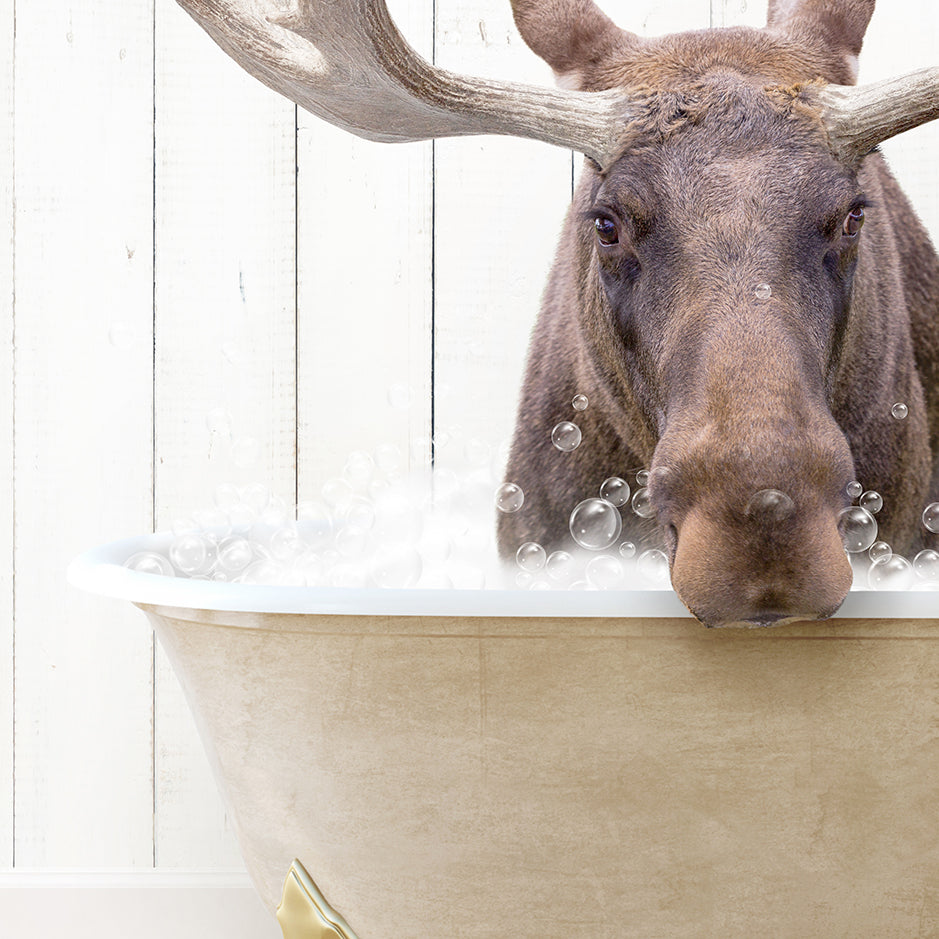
(741, 288)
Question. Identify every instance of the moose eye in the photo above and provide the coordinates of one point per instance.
(853, 222)
(606, 231)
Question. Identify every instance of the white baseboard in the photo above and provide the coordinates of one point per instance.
(142, 904)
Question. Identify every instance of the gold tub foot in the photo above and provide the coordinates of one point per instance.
(304, 913)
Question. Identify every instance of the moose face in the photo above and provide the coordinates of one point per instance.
(724, 258)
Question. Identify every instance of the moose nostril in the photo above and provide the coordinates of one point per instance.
(770, 505)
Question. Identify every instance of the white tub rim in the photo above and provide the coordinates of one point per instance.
(100, 571)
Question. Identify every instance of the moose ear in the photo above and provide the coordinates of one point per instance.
(572, 36)
(838, 26)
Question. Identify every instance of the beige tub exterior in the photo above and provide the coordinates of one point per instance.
(469, 777)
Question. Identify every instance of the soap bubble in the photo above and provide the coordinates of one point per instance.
(858, 529)
(360, 512)
(149, 562)
(854, 489)
(337, 492)
(309, 569)
(595, 524)
(218, 421)
(389, 460)
(580, 402)
(190, 553)
(770, 504)
(931, 516)
(226, 496)
(872, 501)
(926, 565)
(604, 572)
(642, 478)
(351, 541)
(245, 452)
(358, 469)
(396, 565)
(561, 567)
(627, 550)
(763, 291)
(348, 576)
(399, 396)
(899, 411)
(509, 497)
(642, 504)
(879, 550)
(234, 554)
(653, 566)
(531, 556)
(286, 544)
(615, 491)
(566, 436)
(892, 573)
(314, 522)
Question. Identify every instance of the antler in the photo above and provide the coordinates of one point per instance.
(345, 61)
(860, 117)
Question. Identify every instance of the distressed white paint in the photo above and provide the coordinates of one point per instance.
(380, 241)
(83, 132)
(6, 434)
(224, 346)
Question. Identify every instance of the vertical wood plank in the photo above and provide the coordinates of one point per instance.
(83, 454)
(225, 357)
(738, 12)
(499, 204)
(6, 433)
(903, 36)
(364, 282)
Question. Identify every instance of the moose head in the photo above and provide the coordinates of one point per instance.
(741, 289)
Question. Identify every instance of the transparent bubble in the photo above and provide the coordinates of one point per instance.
(642, 504)
(615, 491)
(337, 493)
(627, 550)
(286, 544)
(225, 496)
(931, 516)
(858, 529)
(309, 569)
(213, 522)
(926, 565)
(899, 411)
(242, 516)
(389, 459)
(314, 522)
(246, 452)
(893, 573)
(561, 567)
(351, 541)
(218, 421)
(872, 501)
(234, 554)
(854, 489)
(399, 396)
(642, 478)
(262, 571)
(396, 566)
(347, 576)
(509, 497)
(275, 513)
(595, 524)
(360, 512)
(531, 556)
(580, 402)
(879, 550)
(604, 572)
(566, 436)
(358, 469)
(190, 553)
(653, 566)
(540, 585)
(524, 580)
(149, 562)
(234, 353)
(770, 504)
(763, 291)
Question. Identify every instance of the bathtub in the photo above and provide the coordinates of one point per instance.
(476, 764)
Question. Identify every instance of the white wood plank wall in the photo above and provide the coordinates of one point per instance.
(199, 285)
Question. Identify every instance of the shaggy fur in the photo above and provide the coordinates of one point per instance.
(727, 181)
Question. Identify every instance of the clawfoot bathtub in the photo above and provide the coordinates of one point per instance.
(470, 765)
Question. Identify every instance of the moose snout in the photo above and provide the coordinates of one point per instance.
(757, 548)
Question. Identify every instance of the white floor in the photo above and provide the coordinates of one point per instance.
(144, 905)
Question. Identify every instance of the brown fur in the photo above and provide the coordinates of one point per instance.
(727, 181)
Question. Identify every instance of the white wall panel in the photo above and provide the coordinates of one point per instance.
(225, 354)
(83, 446)
(6, 434)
